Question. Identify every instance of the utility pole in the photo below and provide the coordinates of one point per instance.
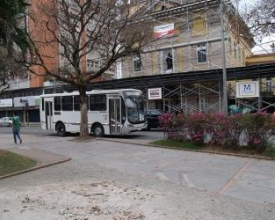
(224, 75)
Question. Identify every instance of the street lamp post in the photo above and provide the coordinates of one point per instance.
(224, 75)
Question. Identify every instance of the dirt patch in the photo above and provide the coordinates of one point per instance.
(106, 200)
(84, 139)
(2, 152)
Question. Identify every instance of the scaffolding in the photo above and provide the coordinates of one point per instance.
(185, 47)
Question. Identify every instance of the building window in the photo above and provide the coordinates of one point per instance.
(137, 63)
(268, 85)
(163, 7)
(202, 53)
(93, 63)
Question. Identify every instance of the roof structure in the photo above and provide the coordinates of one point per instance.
(239, 73)
(186, 78)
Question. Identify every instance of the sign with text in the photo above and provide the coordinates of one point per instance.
(248, 89)
(155, 93)
(21, 101)
(5, 103)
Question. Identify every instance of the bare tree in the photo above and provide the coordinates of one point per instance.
(101, 31)
(260, 17)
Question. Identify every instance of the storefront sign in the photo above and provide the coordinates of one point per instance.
(5, 103)
(22, 101)
(248, 89)
(155, 93)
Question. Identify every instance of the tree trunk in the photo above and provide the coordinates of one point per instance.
(84, 131)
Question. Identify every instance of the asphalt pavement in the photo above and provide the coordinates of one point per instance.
(247, 183)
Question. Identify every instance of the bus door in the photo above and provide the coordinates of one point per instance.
(115, 114)
(49, 114)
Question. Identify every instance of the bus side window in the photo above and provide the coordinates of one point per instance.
(67, 103)
(57, 103)
(98, 102)
(42, 100)
(77, 103)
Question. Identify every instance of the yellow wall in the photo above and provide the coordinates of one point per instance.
(260, 59)
(199, 24)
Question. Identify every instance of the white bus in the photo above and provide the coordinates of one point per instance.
(110, 112)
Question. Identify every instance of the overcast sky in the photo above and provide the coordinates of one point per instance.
(264, 45)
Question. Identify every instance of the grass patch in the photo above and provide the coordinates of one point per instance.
(11, 162)
(269, 153)
(177, 144)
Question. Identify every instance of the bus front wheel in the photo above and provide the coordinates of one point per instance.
(60, 129)
(98, 130)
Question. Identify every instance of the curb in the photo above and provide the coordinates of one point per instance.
(36, 167)
(198, 151)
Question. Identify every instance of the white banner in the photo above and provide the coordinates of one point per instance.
(155, 93)
(5, 103)
(248, 89)
(163, 31)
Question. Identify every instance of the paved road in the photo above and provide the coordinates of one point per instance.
(145, 135)
(183, 185)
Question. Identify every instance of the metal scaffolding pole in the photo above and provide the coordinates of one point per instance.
(224, 75)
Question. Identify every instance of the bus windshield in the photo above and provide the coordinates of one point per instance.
(134, 107)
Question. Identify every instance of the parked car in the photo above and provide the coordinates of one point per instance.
(152, 118)
(5, 121)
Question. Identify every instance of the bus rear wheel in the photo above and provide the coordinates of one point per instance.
(98, 130)
(60, 129)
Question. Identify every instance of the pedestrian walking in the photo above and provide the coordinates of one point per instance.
(16, 127)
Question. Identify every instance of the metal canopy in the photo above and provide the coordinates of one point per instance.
(239, 73)
(185, 78)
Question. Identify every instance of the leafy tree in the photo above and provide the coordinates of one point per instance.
(101, 31)
(260, 17)
(13, 39)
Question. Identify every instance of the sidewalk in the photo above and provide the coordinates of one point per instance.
(45, 158)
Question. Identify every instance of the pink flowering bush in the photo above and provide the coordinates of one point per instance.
(172, 125)
(224, 130)
(258, 129)
(234, 132)
(195, 127)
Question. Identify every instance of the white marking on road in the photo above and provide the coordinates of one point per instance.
(162, 176)
(25, 148)
(187, 180)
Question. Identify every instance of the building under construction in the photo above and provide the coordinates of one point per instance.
(188, 36)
